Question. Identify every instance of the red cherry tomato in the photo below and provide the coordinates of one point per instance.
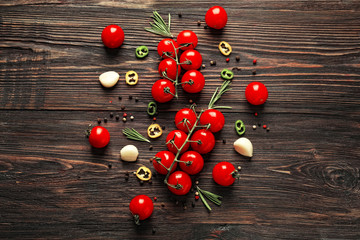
(185, 119)
(195, 79)
(191, 162)
(167, 46)
(187, 37)
(215, 118)
(99, 137)
(166, 159)
(179, 138)
(141, 207)
(256, 93)
(223, 173)
(181, 183)
(207, 141)
(216, 17)
(191, 60)
(163, 90)
(169, 67)
(112, 36)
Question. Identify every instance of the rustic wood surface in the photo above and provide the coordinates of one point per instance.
(302, 183)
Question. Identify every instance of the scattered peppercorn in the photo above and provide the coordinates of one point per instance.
(155, 198)
(150, 182)
(99, 120)
(190, 101)
(205, 27)
(228, 60)
(153, 230)
(185, 207)
(197, 197)
(122, 107)
(237, 58)
(264, 126)
(203, 66)
(109, 165)
(150, 147)
(163, 127)
(254, 72)
(136, 99)
(212, 63)
(254, 127)
(254, 61)
(120, 97)
(196, 193)
(117, 117)
(162, 205)
(224, 141)
(141, 182)
(268, 129)
(130, 97)
(105, 120)
(197, 182)
(124, 119)
(256, 114)
(132, 118)
(125, 115)
(192, 204)
(259, 124)
(111, 114)
(180, 15)
(239, 168)
(199, 23)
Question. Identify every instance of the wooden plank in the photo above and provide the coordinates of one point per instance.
(299, 178)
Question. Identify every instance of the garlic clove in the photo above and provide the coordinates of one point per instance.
(109, 79)
(244, 147)
(129, 153)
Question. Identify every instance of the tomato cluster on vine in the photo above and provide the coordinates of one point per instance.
(173, 62)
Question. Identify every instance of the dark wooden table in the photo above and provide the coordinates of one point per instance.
(303, 181)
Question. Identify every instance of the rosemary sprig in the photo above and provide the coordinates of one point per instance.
(132, 134)
(218, 93)
(159, 26)
(209, 195)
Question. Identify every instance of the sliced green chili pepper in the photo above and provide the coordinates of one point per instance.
(239, 127)
(152, 109)
(141, 51)
(227, 74)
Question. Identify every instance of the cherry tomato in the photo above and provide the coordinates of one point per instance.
(180, 180)
(215, 118)
(256, 93)
(216, 17)
(191, 162)
(185, 119)
(195, 79)
(163, 90)
(194, 57)
(141, 207)
(224, 173)
(99, 137)
(179, 138)
(167, 159)
(207, 141)
(169, 66)
(113, 36)
(167, 46)
(189, 37)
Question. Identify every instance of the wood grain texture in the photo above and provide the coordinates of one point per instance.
(302, 183)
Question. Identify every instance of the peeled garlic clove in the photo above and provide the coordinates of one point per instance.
(129, 153)
(109, 79)
(244, 147)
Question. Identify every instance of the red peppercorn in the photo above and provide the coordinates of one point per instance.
(264, 126)
(228, 59)
(256, 114)
(125, 115)
(197, 197)
(155, 198)
(254, 61)
(154, 119)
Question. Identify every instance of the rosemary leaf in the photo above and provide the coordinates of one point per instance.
(159, 26)
(134, 135)
(204, 201)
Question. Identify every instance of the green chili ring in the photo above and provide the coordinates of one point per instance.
(141, 51)
(239, 127)
(152, 109)
(227, 74)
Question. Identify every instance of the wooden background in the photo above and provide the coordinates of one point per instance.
(302, 183)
